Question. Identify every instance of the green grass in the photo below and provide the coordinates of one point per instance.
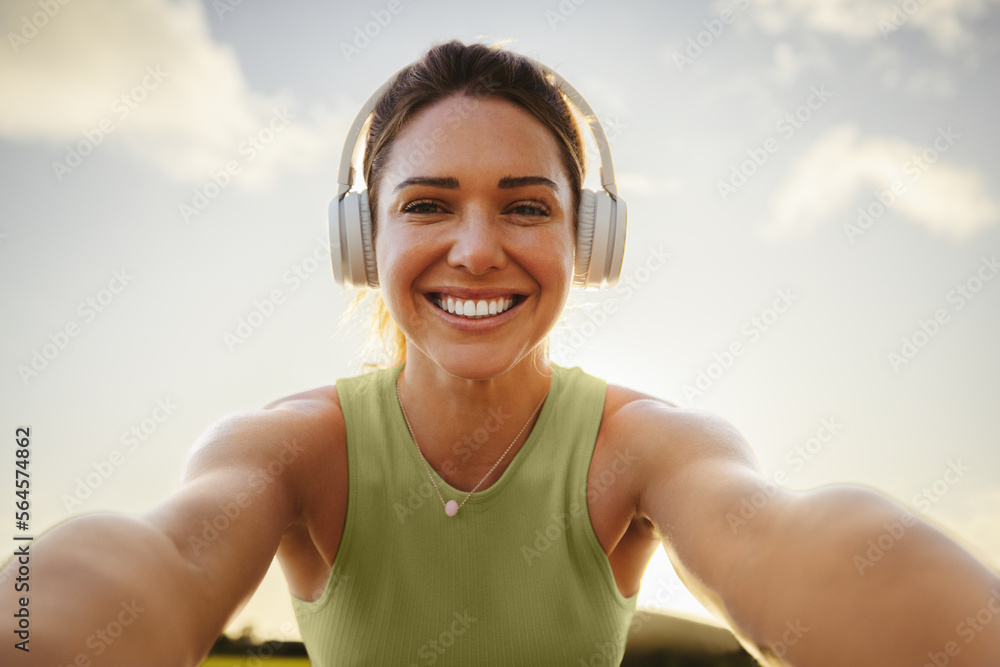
(247, 661)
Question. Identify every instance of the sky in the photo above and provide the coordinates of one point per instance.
(812, 247)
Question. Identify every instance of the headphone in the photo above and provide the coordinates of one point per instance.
(600, 233)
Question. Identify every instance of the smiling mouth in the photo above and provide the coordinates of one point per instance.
(475, 309)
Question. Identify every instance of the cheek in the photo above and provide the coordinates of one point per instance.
(552, 261)
(387, 260)
(568, 249)
(395, 266)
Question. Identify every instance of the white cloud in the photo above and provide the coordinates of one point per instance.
(192, 118)
(945, 22)
(841, 166)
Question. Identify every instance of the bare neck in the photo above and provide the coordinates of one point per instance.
(463, 426)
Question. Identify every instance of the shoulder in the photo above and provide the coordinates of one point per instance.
(287, 437)
(305, 430)
(312, 404)
(667, 432)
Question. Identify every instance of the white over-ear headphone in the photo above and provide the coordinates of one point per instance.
(600, 233)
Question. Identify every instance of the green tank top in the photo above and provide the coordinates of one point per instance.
(517, 577)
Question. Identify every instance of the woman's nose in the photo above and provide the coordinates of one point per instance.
(477, 246)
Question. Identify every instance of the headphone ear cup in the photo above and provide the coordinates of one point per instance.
(367, 241)
(600, 240)
(585, 217)
(616, 236)
(337, 241)
(349, 238)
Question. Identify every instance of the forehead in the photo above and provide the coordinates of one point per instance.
(475, 138)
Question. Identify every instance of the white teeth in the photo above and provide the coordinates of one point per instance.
(474, 309)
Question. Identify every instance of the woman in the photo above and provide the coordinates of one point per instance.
(479, 504)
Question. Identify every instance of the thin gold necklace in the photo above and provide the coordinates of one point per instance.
(451, 507)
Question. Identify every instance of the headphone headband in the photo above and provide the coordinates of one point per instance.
(345, 177)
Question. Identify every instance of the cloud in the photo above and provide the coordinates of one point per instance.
(840, 167)
(150, 71)
(946, 22)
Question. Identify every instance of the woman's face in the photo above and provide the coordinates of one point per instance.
(474, 209)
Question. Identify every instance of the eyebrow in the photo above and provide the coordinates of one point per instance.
(451, 183)
(509, 182)
(437, 182)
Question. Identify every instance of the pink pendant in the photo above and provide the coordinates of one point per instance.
(451, 508)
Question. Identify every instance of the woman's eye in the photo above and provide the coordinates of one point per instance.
(526, 208)
(421, 206)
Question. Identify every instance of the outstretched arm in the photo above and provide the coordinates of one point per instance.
(834, 576)
(158, 588)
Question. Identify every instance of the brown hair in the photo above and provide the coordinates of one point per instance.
(477, 71)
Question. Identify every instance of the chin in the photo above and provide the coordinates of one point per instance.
(477, 361)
